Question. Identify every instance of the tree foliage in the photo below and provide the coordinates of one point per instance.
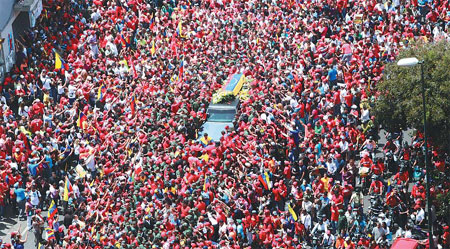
(442, 206)
(399, 105)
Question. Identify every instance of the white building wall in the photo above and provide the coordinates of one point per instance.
(9, 43)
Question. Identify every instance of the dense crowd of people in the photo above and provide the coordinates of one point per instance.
(110, 137)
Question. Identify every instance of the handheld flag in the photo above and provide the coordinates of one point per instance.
(292, 212)
(263, 182)
(50, 234)
(389, 188)
(180, 29)
(266, 177)
(153, 49)
(205, 183)
(52, 210)
(100, 94)
(82, 121)
(67, 189)
(59, 62)
(133, 105)
(125, 41)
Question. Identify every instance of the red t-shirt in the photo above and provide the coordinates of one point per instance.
(376, 186)
(334, 213)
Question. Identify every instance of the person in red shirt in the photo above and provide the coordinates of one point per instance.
(277, 196)
(337, 199)
(36, 125)
(376, 187)
(347, 190)
(392, 199)
(334, 216)
(3, 191)
(402, 177)
(378, 168)
(366, 161)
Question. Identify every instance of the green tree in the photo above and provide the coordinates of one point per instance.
(443, 206)
(399, 104)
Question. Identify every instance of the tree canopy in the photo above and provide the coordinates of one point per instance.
(399, 105)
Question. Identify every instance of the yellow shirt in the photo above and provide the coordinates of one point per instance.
(326, 182)
(46, 98)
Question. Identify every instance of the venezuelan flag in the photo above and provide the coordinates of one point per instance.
(52, 210)
(101, 90)
(67, 189)
(125, 41)
(59, 62)
(50, 234)
(205, 183)
(133, 105)
(389, 188)
(263, 182)
(235, 84)
(267, 178)
(82, 121)
(180, 29)
(292, 212)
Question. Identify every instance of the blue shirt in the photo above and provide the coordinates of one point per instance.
(33, 168)
(49, 161)
(332, 74)
(20, 194)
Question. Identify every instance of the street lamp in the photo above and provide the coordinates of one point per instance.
(410, 62)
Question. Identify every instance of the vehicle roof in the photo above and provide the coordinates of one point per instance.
(214, 129)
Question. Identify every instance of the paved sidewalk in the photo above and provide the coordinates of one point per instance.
(12, 224)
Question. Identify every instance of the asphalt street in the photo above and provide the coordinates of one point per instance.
(12, 224)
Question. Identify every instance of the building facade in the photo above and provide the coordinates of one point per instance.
(15, 18)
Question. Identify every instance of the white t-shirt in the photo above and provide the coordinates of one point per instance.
(60, 89)
(46, 82)
(34, 197)
(365, 115)
(76, 191)
(420, 215)
(306, 220)
(72, 91)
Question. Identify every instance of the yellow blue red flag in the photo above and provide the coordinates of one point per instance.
(67, 189)
(52, 210)
(59, 62)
